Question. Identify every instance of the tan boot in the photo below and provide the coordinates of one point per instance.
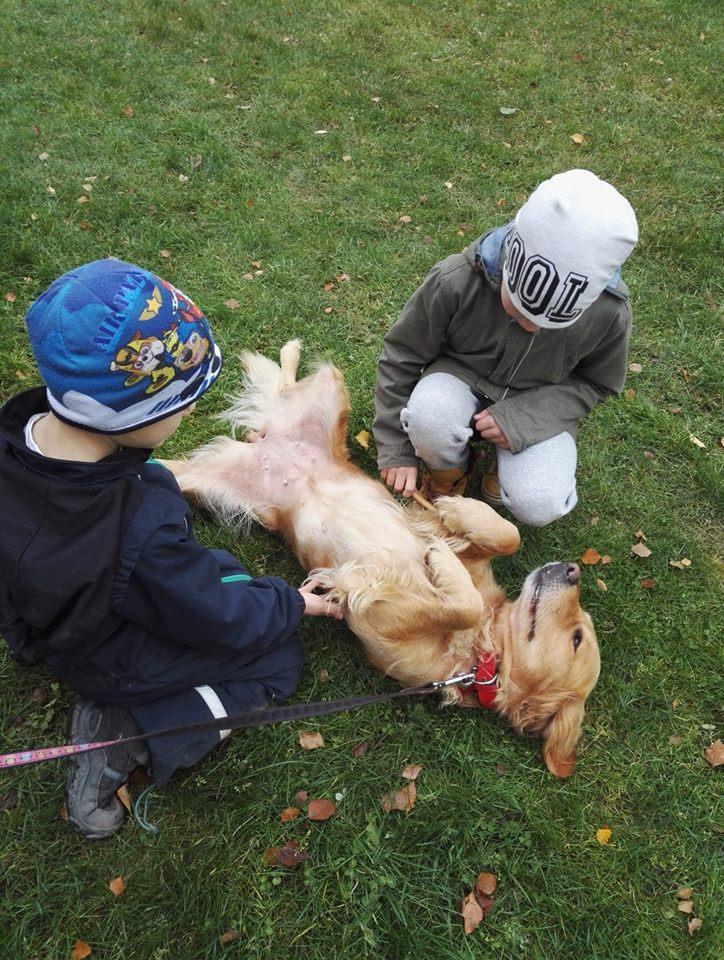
(443, 483)
(490, 487)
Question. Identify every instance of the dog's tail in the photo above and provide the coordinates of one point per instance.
(263, 387)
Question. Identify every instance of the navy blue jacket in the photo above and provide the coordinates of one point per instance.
(101, 577)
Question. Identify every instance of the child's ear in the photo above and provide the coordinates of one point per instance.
(560, 739)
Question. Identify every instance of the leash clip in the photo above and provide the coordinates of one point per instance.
(463, 680)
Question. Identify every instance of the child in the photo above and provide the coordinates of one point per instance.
(100, 574)
(516, 339)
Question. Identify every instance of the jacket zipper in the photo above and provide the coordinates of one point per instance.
(517, 366)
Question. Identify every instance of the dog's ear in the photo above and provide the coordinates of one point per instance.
(560, 738)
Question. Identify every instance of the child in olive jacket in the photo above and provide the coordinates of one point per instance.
(100, 574)
(514, 341)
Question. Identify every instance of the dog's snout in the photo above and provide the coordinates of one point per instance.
(574, 572)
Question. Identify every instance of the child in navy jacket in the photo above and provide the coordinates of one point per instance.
(100, 574)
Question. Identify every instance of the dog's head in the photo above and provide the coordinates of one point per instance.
(552, 663)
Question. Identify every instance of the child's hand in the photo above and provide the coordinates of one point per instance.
(316, 605)
(488, 428)
(402, 479)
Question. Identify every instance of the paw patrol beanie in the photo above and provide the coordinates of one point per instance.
(569, 238)
(119, 348)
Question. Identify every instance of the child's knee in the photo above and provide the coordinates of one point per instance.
(538, 508)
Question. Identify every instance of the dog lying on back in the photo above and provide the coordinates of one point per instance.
(416, 585)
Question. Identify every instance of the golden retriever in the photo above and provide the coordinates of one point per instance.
(416, 585)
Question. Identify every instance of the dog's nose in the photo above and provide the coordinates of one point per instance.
(573, 572)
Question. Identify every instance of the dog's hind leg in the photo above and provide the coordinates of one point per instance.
(289, 363)
(459, 606)
(484, 533)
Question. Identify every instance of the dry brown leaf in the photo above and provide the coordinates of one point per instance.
(329, 285)
(603, 835)
(641, 550)
(323, 675)
(648, 455)
(411, 771)
(346, 157)
(256, 264)
(640, 535)
(714, 753)
(10, 297)
(578, 138)
(675, 739)
(471, 912)
(328, 310)
(301, 796)
(635, 367)
(288, 856)
(124, 796)
(674, 409)
(697, 442)
(289, 813)
(606, 559)
(360, 749)
(684, 893)
(63, 813)
(400, 799)
(128, 111)
(308, 740)
(595, 520)
(680, 564)
(164, 254)
(117, 886)
(363, 439)
(601, 585)
(321, 809)
(630, 393)
(229, 937)
(693, 925)
(647, 583)
(686, 906)
(684, 374)
(232, 304)
(590, 556)
(405, 218)
(248, 276)
(486, 883)
(342, 277)
(83, 198)
(85, 225)
(80, 950)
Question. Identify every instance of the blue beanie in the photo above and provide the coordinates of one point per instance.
(119, 348)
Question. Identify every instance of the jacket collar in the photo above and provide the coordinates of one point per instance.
(16, 413)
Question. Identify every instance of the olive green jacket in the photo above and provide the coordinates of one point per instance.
(540, 384)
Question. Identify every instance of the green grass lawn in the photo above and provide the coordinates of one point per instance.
(297, 134)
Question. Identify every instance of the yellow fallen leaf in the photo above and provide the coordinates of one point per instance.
(310, 741)
(578, 138)
(363, 439)
(686, 906)
(697, 442)
(590, 556)
(680, 564)
(471, 913)
(80, 950)
(601, 585)
(684, 893)
(603, 835)
(635, 367)
(117, 886)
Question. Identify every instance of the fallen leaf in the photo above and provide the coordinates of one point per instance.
(486, 883)
(51, 191)
(124, 796)
(10, 297)
(675, 739)
(329, 310)
(641, 550)
(684, 374)
(229, 937)
(128, 111)
(329, 285)
(164, 254)
(647, 583)
(697, 442)
(289, 813)
(182, 178)
(288, 856)
(405, 218)
(363, 439)
(686, 906)
(674, 409)
(578, 138)
(648, 455)
(232, 304)
(590, 556)
(448, 184)
(346, 157)
(630, 393)
(684, 893)
(342, 277)
(603, 835)
(309, 740)
(411, 772)
(500, 769)
(680, 564)
(693, 925)
(375, 99)
(80, 950)
(248, 276)
(43, 156)
(714, 753)
(635, 367)
(85, 225)
(256, 264)
(63, 813)
(601, 585)
(250, 203)
(8, 801)
(400, 799)
(321, 809)
(508, 111)
(578, 57)
(83, 199)
(595, 520)
(323, 675)
(471, 912)
(360, 749)
(640, 535)
(117, 886)
(301, 796)
(196, 160)
(484, 902)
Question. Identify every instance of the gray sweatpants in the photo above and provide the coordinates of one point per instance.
(537, 485)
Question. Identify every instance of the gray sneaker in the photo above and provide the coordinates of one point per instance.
(93, 778)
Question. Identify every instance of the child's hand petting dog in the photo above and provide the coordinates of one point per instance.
(403, 480)
(489, 429)
(316, 605)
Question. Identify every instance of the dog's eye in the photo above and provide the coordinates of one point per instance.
(577, 637)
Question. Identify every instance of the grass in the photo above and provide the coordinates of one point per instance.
(231, 96)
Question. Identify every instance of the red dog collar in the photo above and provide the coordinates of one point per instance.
(486, 679)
